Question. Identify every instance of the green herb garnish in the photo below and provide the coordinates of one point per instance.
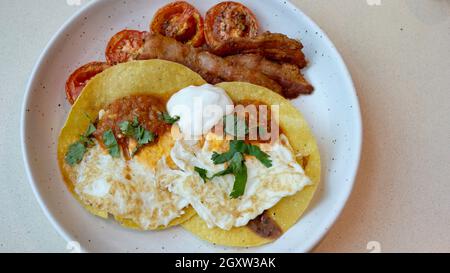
(167, 118)
(263, 157)
(86, 138)
(146, 137)
(90, 130)
(239, 170)
(237, 167)
(111, 143)
(239, 146)
(224, 172)
(75, 153)
(77, 150)
(221, 158)
(236, 146)
(135, 122)
(138, 132)
(126, 128)
(203, 173)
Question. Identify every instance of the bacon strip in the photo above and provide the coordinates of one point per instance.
(288, 76)
(273, 46)
(212, 68)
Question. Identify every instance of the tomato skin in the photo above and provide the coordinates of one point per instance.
(79, 78)
(124, 46)
(181, 21)
(228, 20)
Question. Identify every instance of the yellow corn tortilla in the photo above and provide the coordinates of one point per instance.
(287, 212)
(154, 77)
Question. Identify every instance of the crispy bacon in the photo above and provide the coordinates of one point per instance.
(288, 76)
(273, 46)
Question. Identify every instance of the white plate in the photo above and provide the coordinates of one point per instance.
(332, 112)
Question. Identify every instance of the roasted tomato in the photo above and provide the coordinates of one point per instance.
(79, 78)
(124, 46)
(229, 20)
(181, 21)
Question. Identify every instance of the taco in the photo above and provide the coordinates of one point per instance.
(90, 155)
(299, 147)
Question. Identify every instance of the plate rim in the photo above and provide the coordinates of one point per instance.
(358, 126)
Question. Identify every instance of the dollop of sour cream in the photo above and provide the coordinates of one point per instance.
(200, 108)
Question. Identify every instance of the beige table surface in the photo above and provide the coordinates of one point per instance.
(398, 53)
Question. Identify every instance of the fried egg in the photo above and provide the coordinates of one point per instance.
(130, 189)
(211, 199)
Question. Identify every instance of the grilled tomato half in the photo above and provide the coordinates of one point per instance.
(229, 20)
(181, 21)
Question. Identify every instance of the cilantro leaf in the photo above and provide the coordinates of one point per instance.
(236, 146)
(77, 150)
(126, 128)
(138, 132)
(75, 153)
(240, 175)
(167, 118)
(135, 122)
(228, 170)
(239, 146)
(203, 173)
(86, 138)
(221, 158)
(90, 130)
(240, 181)
(263, 157)
(237, 167)
(236, 162)
(111, 143)
(146, 137)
